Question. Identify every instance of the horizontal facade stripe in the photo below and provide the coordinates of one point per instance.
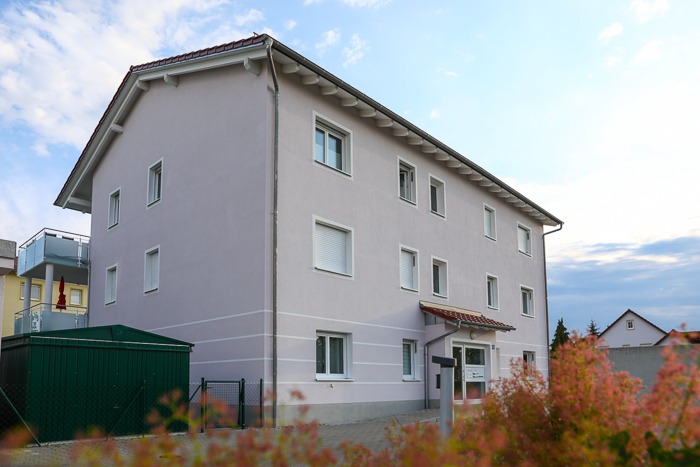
(357, 323)
(190, 323)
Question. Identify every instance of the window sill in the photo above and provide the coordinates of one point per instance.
(412, 380)
(338, 171)
(409, 290)
(529, 255)
(406, 200)
(324, 379)
(335, 273)
(490, 237)
(439, 214)
(110, 227)
(527, 316)
(439, 295)
(153, 203)
(148, 292)
(493, 308)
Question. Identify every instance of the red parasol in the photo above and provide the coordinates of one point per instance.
(61, 303)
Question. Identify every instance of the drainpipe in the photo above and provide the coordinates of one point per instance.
(275, 196)
(546, 293)
(458, 323)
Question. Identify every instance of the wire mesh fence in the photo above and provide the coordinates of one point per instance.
(60, 413)
(57, 413)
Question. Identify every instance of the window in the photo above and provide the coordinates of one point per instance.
(113, 216)
(332, 146)
(524, 240)
(492, 292)
(437, 196)
(409, 359)
(528, 358)
(439, 277)
(526, 299)
(407, 182)
(111, 285)
(151, 275)
(630, 323)
(331, 355)
(34, 294)
(76, 297)
(489, 222)
(409, 269)
(332, 248)
(155, 182)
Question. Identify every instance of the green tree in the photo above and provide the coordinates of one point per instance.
(561, 335)
(592, 329)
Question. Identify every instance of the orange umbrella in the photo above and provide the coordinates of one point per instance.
(61, 303)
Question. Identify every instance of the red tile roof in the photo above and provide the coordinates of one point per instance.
(467, 317)
(202, 52)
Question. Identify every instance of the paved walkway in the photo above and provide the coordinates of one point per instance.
(371, 433)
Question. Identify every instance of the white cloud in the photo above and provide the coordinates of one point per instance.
(329, 39)
(250, 16)
(613, 61)
(434, 114)
(290, 24)
(355, 51)
(366, 3)
(649, 52)
(311, 2)
(645, 10)
(611, 31)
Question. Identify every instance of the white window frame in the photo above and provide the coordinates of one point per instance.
(349, 247)
(529, 357)
(412, 345)
(527, 301)
(151, 270)
(442, 276)
(78, 302)
(155, 183)
(439, 200)
(34, 287)
(346, 359)
(114, 208)
(524, 239)
(630, 325)
(489, 222)
(410, 194)
(492, 301)
(415, 283)
(111, 284)
(329, 127)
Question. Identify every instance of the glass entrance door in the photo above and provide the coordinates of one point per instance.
(470, 372)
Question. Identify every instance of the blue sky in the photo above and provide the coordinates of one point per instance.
(588, 107)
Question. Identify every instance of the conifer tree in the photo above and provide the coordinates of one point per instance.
(561, 335)
(592, 329)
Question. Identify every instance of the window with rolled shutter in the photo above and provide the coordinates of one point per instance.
(332, 249)
(152, 270)
(408, 270)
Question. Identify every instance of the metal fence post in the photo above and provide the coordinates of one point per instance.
(241, 404)
(260, 400)
(203, 406)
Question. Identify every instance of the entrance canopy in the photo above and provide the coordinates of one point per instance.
(468, 318)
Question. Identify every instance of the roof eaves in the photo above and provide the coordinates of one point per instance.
(402, 121)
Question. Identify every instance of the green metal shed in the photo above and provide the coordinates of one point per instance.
(66, 382)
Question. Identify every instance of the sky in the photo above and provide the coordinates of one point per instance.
(590, 108)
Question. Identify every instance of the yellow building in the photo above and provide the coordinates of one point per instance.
(12, 298)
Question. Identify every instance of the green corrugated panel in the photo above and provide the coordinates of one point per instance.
(78, 378)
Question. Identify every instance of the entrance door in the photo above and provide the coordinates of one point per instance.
(470, 372)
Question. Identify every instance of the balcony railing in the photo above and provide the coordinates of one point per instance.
(55, 247)
(46, 317)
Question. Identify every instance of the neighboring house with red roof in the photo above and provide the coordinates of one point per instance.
(295, 230)
(631, 330)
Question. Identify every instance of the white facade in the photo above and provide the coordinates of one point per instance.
(631, 330)
(373, 217)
